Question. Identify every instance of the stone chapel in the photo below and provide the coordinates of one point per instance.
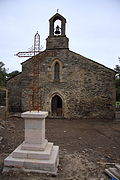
(70, 85)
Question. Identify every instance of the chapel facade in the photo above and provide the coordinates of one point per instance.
(70, 85)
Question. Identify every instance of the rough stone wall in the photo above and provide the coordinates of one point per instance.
(87, 88)
(27, 76)
(14, 93)
(57, 42)
(91, 88)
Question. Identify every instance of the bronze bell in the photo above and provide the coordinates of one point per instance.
(57, 31)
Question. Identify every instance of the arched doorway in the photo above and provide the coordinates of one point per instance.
(56, 106)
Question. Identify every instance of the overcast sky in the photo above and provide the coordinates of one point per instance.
(93, 28)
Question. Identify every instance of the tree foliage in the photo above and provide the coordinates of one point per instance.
(12, 74)
(117, 89)
(117, 69)
(4, 75)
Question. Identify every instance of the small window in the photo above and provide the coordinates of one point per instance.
(56, 71)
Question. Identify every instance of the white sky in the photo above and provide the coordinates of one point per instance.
(93, 28)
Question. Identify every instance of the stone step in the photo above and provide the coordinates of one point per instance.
(34, 165)
(41, 155)
(34, 147)
(113, 172)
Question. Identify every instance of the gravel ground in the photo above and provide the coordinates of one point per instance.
(87, 147)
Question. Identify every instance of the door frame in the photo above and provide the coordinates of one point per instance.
(56, 94)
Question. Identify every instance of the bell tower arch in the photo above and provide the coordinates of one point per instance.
(52, 22)
(57, 38)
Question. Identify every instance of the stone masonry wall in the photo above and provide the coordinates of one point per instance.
(87, 88)
(14, 93)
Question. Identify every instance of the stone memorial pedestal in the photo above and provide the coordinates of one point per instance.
(35, 153)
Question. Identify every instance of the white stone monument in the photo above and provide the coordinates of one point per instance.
(35, 154)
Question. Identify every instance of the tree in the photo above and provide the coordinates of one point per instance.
(117, 69)
(117, 81)
(3, 74)
(12, 74)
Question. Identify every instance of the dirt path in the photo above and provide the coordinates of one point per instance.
(85, 147)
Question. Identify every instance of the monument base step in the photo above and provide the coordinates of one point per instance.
(34, 165)
(25, 154)
(34, 147)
